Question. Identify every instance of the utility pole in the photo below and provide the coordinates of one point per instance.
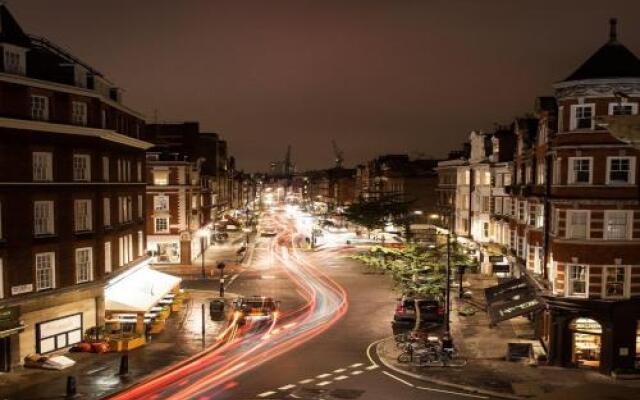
(447, 342)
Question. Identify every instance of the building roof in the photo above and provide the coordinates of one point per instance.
(10, 31)
(613, 60)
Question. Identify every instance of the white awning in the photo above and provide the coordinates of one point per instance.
(139, 291)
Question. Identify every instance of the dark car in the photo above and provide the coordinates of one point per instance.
(216, 309)
(255, 308)
(431, 311)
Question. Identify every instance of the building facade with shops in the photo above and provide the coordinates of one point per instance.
(71, 193)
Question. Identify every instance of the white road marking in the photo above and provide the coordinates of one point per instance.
(372, 367)
(476, 396)
(340, 378)
(339, 370)
(287, 387)
(233, 278)
(305, 381)
(356, 365)
(357, 372)
(323, 383)
(265, 394)
(321, 376)
(398, 379)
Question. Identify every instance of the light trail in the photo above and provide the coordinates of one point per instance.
(239, 350)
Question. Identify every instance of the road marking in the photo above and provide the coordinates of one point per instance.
(323, 383)
(233, 278)
(398, 379)
(287, 387)
(475, 396)
(357, 372)
(356, 365)
(369, 351)
(305, 381)
(340, 378)
(265, 394)
(321, 376)
(372, 367)
(339, 370)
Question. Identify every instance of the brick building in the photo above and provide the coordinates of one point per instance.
(71, 193)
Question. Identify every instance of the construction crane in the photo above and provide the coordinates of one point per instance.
(339, 154)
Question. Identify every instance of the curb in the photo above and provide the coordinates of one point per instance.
(440, 382)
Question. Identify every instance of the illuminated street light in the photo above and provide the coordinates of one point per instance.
(202, 233)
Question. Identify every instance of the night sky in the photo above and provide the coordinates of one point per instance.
(378, 76)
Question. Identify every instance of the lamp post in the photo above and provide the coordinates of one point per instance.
(447, 341)
(202, 234)
(220, 267)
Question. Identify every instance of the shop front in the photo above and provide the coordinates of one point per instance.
(10, 326)
(165, 248)
(596, 334)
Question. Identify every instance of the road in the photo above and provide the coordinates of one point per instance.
(319, 347)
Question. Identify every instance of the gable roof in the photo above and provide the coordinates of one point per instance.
(10, 31)
(613, 60)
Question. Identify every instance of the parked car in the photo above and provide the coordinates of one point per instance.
(431, 311)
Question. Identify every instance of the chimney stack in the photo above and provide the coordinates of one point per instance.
(613, 29)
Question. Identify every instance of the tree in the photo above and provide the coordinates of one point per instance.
(374, 213)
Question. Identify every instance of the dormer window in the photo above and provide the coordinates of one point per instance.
(582, 116)
(623, 108)
(14, 59)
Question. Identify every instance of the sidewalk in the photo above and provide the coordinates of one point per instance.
(97, 374)
(484, 348)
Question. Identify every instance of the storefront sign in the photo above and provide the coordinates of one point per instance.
(496, 259)
(505, 290)
(58, 333)
(9, 318)
(20, 289)
(511, 309)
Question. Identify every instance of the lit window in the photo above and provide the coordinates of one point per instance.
(79, 113)
(140, 206)
(81, 167)
(577, 222)
(577, 285)
(580, 170)
(82, 214)
(84, 265)
(615, 281)
(43, 222)
(616, 225)
(45, 271)
(42, 166)
(40, 108)
(160, 177)
(620, 170)
(107, 257)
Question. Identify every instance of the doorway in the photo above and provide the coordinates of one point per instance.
(586, 343)
(5, 354)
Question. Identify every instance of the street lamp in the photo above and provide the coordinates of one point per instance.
(246, 231)
(220, 267)
(202, 234)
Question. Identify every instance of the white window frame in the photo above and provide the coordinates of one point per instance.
(79, 174)
(569, 281)
(569, 227)
(48, 225)
(155, 225)
(79, 113)
(629, 224)
(20, 54)
(40, 113)
(82, 223)
(42, 166)
(84, 276)
(632, 170)
(108, 257)
(574, 116)
(140, 243)
(626, 284)
(634, 107)
(140, 208)
(52, 259)
(571, 178)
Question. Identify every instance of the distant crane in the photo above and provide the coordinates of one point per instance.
(339, 154)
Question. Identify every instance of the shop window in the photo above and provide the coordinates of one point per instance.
(577, 280)
(586, 343)
(615, 281)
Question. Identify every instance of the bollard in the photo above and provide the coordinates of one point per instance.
(124, 365)
(71, 386)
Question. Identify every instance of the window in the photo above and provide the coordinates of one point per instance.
(105, 168)
(13, 61)
(140, 243)
(107, 257)
(485, 229)
(507, 179)
(82, 214)
(81, 167)
(162, 225)
(561, 119)
(79, 113)
(557, 170)
(128, 171)
(617, 225)
(615, 281)
(580, 170)
(84, 265)
(577, 285)
(506, 208)
(539, 216)
(582, 117)
(139, 171)
(45, 271)
(498, 206)
(527, 174)
(103, 119)
(1, 280)
(119, 170)
(43, 218)
(577, 224)
(486, 204)
(40, 108)
(106, 211)
(42, 166)
(121, 251)
(522, 211)
(161, 203)
(160, 177)
(620, 170)
(623, 108)
(139, 206)
(541, 173)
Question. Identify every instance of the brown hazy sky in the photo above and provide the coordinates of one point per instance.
(378, 76)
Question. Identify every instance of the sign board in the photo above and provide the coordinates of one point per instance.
(498, 292)
(510, 309)
(20, 289)
(9, 318)
(501, 268)
(496, 259)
